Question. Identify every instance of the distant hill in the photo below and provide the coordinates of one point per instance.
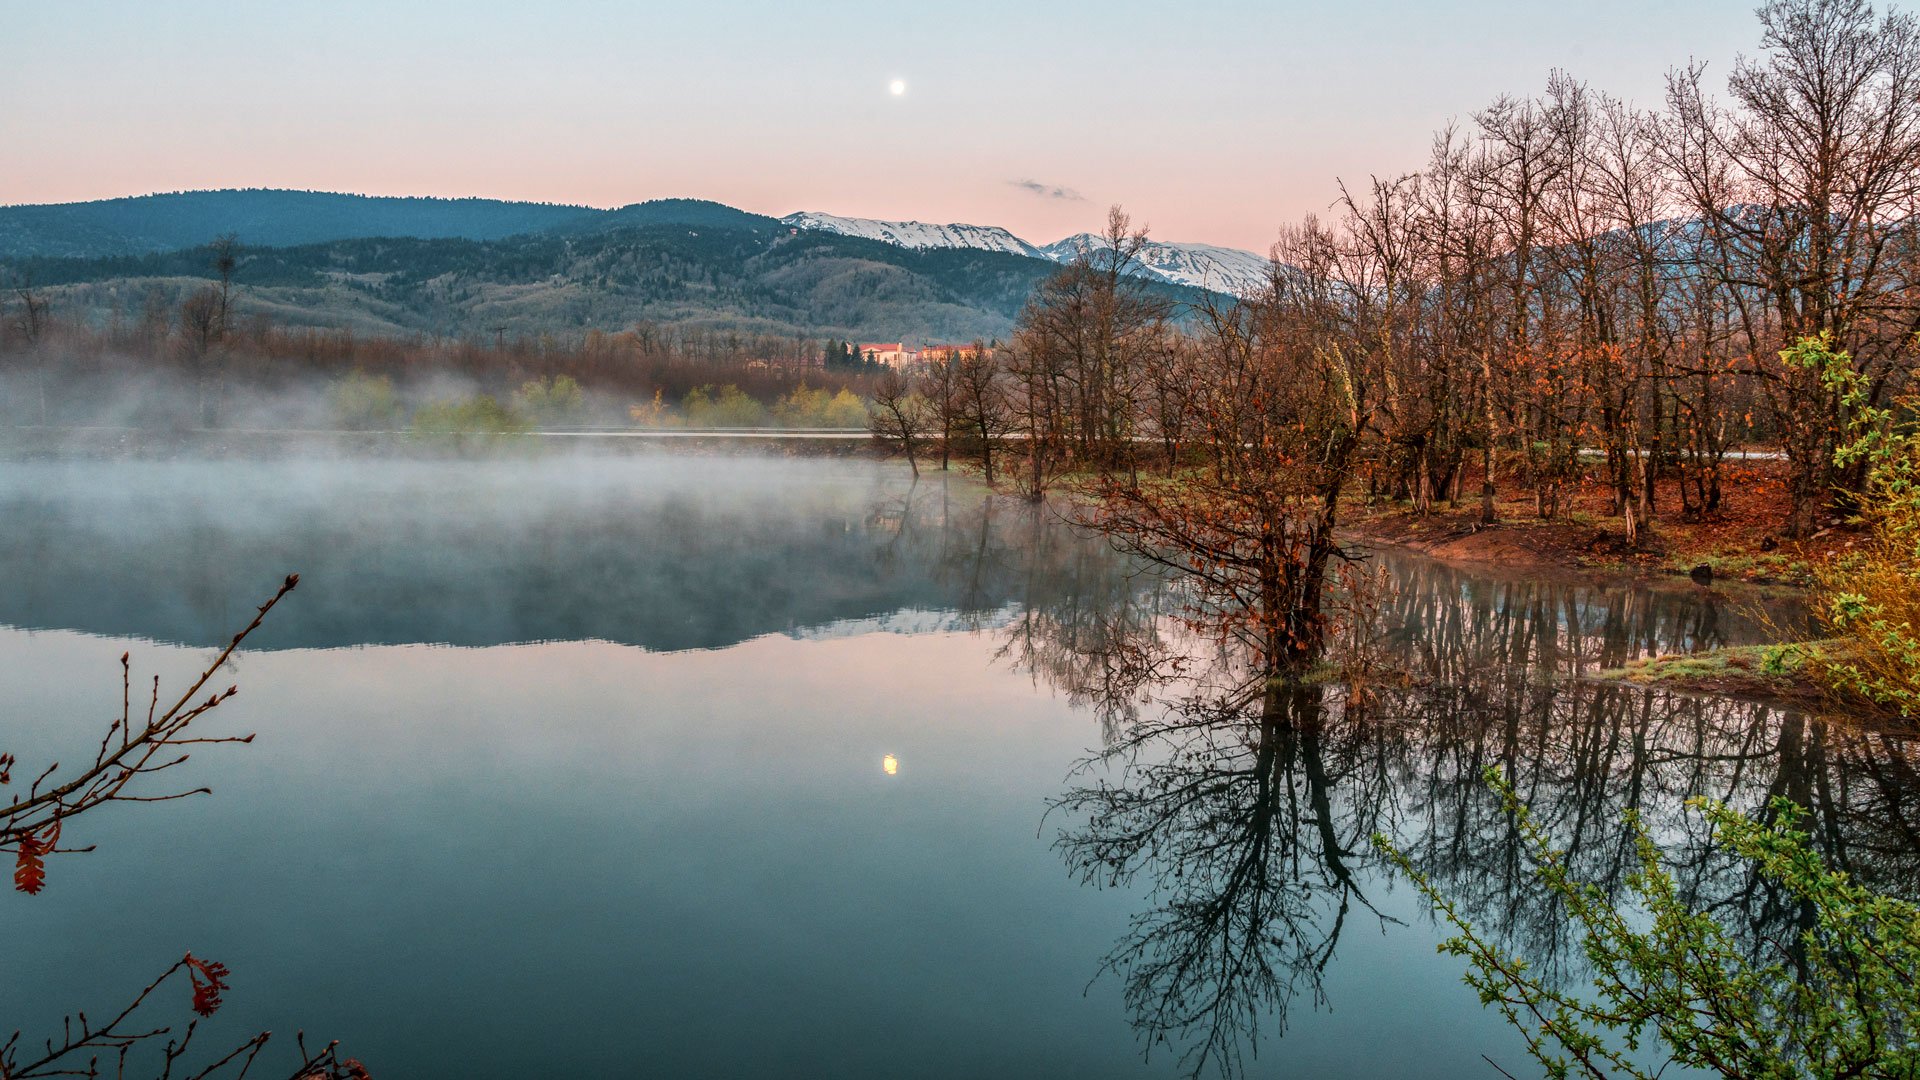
(407, 266)
(266, 218)
(698, 213)
(754, 280)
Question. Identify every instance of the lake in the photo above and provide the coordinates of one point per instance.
(577, 766)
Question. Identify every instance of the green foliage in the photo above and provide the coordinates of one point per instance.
(482, 413)
(1782, 659)
(363, 402)
(1835, 367)
(550, 400)
(806, 407)
(1870, 597)
(725, 407)
(1838, 1002)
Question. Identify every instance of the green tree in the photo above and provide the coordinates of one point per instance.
(725, 407)
(550, 400)
(363, 402)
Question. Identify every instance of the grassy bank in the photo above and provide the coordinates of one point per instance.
(1777, 674)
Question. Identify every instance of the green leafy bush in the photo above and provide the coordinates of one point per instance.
(1869, 598)
(816, 408)
(550, 400)
(1840, 1001)
(482, 413)
(725, 407)
(363, 402)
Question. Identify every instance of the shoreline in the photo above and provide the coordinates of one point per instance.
(1709, 554)
(1579, 546)
(30, 443)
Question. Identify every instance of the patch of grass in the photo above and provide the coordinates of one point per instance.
(1749, 566)
(1782, 672)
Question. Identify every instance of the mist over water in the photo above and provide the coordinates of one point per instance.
(636, 820)
(663, 552)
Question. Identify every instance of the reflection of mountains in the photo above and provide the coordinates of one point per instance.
(1248, 807)
(662, 553)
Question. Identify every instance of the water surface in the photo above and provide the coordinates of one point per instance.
(573, 767)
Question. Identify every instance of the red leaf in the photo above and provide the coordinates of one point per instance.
(209, 979)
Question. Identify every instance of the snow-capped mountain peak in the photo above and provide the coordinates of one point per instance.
(917, 234)
(1206, 266)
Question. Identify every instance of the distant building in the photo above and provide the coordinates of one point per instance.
(944, 354)
(891, 353)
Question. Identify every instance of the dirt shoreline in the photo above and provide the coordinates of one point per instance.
(1587, 547)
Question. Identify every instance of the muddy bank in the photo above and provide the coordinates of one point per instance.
(1708, 554)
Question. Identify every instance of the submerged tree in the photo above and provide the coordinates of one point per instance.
(1283, 396)
(1083, 355)
(900, 414)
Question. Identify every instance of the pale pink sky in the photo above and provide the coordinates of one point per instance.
(1212, 121)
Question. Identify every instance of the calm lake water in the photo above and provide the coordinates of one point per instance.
(573, 767)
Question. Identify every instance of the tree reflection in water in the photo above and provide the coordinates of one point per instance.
(1245, 804)
(1229, 804)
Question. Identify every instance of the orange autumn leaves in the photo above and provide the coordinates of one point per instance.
(30, 864)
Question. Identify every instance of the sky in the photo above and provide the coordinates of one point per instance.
(1211, 121)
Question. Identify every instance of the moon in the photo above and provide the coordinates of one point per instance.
(897, 87)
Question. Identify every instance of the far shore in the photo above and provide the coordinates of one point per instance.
(27, 443)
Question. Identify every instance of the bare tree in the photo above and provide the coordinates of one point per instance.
(32, 323)
(206, 323)
(1806, 192)
(980, 400)
(899, 414)
(1287, 396)
(943, 397)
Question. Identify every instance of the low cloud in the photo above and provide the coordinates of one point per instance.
(1048, 191)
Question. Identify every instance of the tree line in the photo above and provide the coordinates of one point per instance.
(1571, 286)
(227, 363)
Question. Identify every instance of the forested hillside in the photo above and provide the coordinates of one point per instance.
(644, 263)
(269, 218)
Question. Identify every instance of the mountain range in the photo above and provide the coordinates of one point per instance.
(1202, 266)
(430, 265)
